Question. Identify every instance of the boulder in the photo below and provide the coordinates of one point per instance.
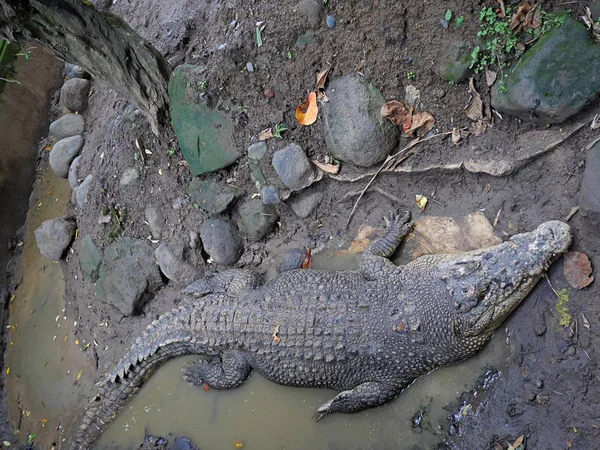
(128, 275)
(354, 129)
(221, 240)
(292, 259)
(590, 186)
(552, 81)
(211, 196)
(293, 167)
(82, 191)
(177, 262)
(73, 175)
(257, 218)
(54, 236)
(205, 134)
(74, 94)
(90, 258)
(63, 153)
(67, 126)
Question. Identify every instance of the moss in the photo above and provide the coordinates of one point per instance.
(562, 309)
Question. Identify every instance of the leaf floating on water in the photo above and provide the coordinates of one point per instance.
(421, 201)
(306, 113)
(8, 371)
(238, 444)
(578, 269)
(79, 375)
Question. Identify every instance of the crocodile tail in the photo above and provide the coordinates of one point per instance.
(165, 338)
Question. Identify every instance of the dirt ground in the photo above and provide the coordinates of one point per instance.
(551, 390)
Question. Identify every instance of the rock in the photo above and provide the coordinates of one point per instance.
(354, 129)
(269, 93)
(128, 275)
(330, 21)
(291, 260)
(183, 443)
(249, 67)
(205, 134)
(306, 202)
(74, 94)
(293, 167)
(90, 258)
(444, 23)
(310, 12)
(270, 195)
(173, 258)
(258, 219)
(590, 186)
(129, 176)
(595, 10)
(75, 71)
(54, 236)
(304, 40)
(256, 172)
(221, 240)
(67, 126)
(72, 176)
(155, 221)
(180, 202)
(82, 191)
(455, 61)
(211, 196)
(257, 150)
(63, 153)
(552, 82)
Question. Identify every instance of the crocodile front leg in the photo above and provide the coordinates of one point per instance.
(363, 396)
(232, 281)
(231, 371)
(374, 264)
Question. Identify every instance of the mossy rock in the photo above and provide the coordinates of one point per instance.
(455, 66)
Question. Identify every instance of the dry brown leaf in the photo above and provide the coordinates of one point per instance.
(329, 168)
(502, 13)
(265, 134)
(519, 441)
(533, 19)
(321, 80)
(420, 119)
(490, 77)
(478, 128)
(307, 262)
(421, 201)
(396, 112)
(306, 112)
(578, 269)
(586, 322)
(518, 18)
(456, 136)
(474, 109)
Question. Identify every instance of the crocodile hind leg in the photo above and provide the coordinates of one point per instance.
(231, 371)
(363, 396)
(374, 264)
(232, 281)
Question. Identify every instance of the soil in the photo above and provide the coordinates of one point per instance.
(384, 41)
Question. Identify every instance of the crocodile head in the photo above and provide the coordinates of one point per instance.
(487, 285)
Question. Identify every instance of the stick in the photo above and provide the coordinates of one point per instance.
(371, 189)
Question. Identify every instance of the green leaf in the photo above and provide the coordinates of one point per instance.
(459, 21)
(448, 15)
(6, 443)
(258, 37)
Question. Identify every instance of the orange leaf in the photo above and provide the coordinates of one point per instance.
(265, 134)
(307, 263)
(420, 119)
(306, 113)
(329, 168)
(396, 112)
(578, 269)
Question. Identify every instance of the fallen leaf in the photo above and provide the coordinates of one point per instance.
(6, 443)
(596, 122)
(47, 148)
(79, 375)
(329, 168)
(307, 262)
(8, 371)
(321, 80)
(265, 134)
(421, 201)
(306, 113)
(502, 13)
(586, 322)
(474, 109)
(490, 77)
(396, 112)
(533, 19)
(518, 442)
(578, 269)
(518, 18)
(478, 128)
(420, 119)
(456, 136)
(239, 444)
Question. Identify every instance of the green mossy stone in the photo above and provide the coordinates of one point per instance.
(455, 66)
(90, 258)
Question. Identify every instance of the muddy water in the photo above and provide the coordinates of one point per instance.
(266, 416)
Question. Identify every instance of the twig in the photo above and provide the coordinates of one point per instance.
(550, 284)
(377, 189)
(365, 190)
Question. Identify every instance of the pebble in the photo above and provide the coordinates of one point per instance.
(221, 240)
(540, 330)
(270, 93)
(249, 67)
(129, 176)
(270, 195)
(444, 23)
(63, 153)
(539, 383)
(330, 22)
(291, 260)
(306, 202)
(54, 236)
(81, 193)
(293, 167)
(155, 221)
(222, 47)
(233, 24)
(73, 179)
(257, 150)
(180, 202)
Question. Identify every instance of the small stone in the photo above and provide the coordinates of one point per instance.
(444, 23)
(155, 220)
(270, 195)
(539, 383)
(67, 126)
(75, 71)
(291, 260)
(90, 258)
(257, 150)
(539, 330)
(330, 20)
(233, 24)
(172, 259)
(73, 179)
(222, 47)
(531, 396)
(211, 196)
(129, 176)
(293, 167)
(183, 443)
(81, 194)
(63, 153)
(193, 239)
(54, 236)
(249, 67)
(221, 240)
(256, 173)
(542, 399)
(180, 202)
(257, 218)
(270, 93)
(74, 94)
(306, 202)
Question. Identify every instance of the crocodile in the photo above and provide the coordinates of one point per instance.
(368, 333)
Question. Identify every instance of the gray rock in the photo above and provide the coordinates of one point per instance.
(63, 153)
(183, 443)
(74, 94)
(354, 129)
(211, 196)
(82, 191)
(67, 126)
(172, 258)
(128, 275)
(306, 39)
(130, 176)
(180, 202)
(258, 219)
(54, 236)
(256, 173)
(330, 21)
(270, 195)
(73, 177)
(155, 220)
(249, 67)
(455, 61)
(75, 71)
(293, 167)
(552, 81)
(257, 150)
(590, 186)
(310, 12)
(90, 258)
(221, 240)
(306, 202)
(291, 260)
